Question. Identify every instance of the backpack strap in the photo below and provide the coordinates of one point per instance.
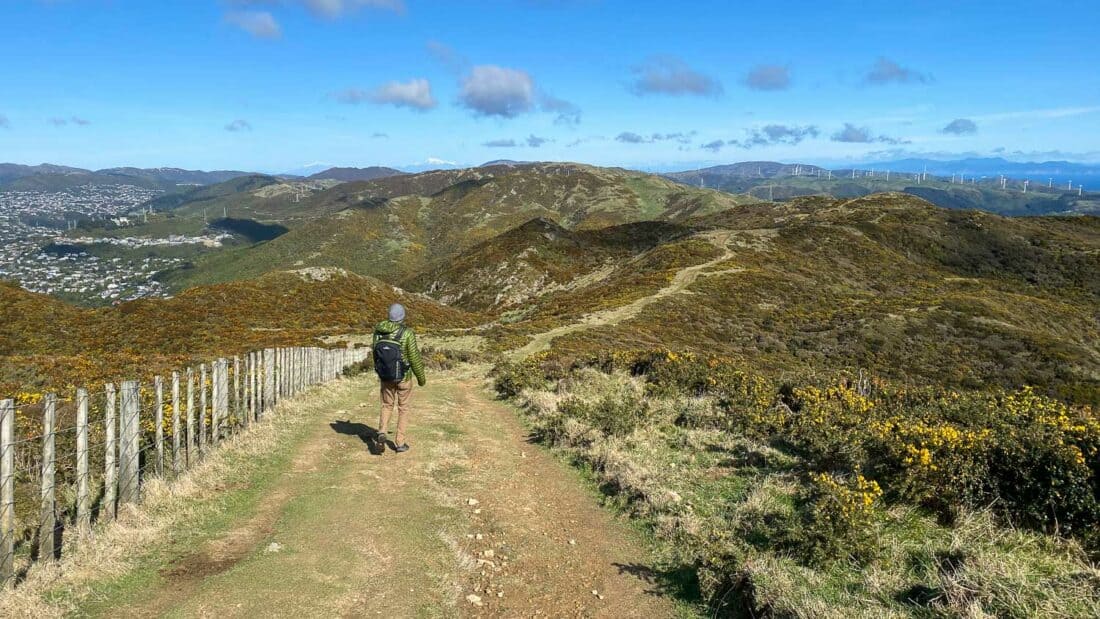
(400, 334)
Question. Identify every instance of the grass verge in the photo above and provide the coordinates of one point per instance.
(748, 528)
(120, 560)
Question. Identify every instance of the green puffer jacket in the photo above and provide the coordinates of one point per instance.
(409, 349)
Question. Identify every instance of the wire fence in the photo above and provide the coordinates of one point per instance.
(70, 460)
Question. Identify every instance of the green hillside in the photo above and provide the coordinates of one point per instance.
(362, 227)
(535, 259)
(887, 282)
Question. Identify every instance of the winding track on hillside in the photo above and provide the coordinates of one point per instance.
(680, 282)
(342, 532)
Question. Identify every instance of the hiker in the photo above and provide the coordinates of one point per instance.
(396, 360)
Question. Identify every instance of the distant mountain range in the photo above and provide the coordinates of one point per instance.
(12, 171)
(973, 167)
(49, 177)
(355, 174)
(1048, 192)
(717, 176)
(1059, 171)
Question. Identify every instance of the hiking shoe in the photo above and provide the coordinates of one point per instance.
(401, 448)
(380, 442)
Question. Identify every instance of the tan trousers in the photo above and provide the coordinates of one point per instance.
(399, 393)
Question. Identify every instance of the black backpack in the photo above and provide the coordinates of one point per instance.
(389, 362)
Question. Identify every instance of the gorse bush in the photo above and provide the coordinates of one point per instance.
(612, 415)
(1032, 458)
(837, 518)
(511, 379)
(838, 496)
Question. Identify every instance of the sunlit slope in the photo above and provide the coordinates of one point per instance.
(398, 237)
(47, 342)
(886, 282)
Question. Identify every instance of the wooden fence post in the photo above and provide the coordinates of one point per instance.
(176, 423)
(269, 380)
(7, 491)
(83, 503)
(158, 419)
(129, 483)
(47, 525)
(237, 390)
(221, 402)
(250, 414)
(260, 379)
(261, 400)
(190, 417)
(110, 454)
(215, 399)
(202, 409)
(273, 395)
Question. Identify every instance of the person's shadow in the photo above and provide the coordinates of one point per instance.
(367, 434)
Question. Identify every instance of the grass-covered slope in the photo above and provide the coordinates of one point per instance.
(536, 259)
(366, 228)
(886, 282)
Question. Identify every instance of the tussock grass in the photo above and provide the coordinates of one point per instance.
(190, 503)
(730, 508)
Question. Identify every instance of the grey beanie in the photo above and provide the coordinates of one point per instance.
(397, 312)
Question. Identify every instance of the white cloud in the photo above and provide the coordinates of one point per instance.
(332, 9)
(1040, 114)
(259, 24)
(415, 93)
(671, 76)
(885, 71)
(769, 77)
(960, 126)
(490, 90)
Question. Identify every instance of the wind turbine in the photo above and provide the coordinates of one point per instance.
(1025, 185)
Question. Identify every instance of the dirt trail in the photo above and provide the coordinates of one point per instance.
(348, 533)
(609, 317)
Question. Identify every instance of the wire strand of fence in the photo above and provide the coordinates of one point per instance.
(86, 452)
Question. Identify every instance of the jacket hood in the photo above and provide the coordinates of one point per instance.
(387, 326)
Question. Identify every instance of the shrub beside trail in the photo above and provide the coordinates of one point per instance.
(799, 498)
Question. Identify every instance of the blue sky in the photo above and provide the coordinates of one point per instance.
(274, 85)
